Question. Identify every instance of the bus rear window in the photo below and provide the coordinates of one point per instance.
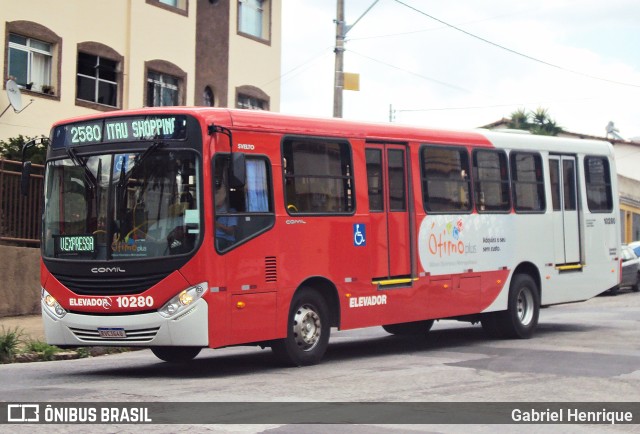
(598, 177)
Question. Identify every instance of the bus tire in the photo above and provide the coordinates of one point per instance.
(521, 318)
(308, 330)
(176, 354)
(409, 328)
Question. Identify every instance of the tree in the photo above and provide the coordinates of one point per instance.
(12, 150)
(537, 122)
(519, 120)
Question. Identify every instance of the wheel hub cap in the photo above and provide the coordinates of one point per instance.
(306, 328)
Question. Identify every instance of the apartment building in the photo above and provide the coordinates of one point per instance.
(75, 57)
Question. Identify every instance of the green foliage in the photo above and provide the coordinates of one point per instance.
(10, 339)
(43, 349)
(12, 150)
(538, 122)
(83, 352)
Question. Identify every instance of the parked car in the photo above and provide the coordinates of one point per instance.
(636, 247)
(630, 270)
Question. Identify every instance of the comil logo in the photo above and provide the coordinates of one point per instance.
(108, 270)
(23, 413)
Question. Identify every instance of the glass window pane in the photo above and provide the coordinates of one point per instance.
(107, 69)
(526, 174)
(241, 213)
(598, 180)
(250, 17)
(569, 180)
(374, 179)
(18, 61)
(40, 68)
(169, 97)
(107, 94)
(39, 45)
(87, 64)
(554, 173)
(492, 181)
(86, 88)
(318, 177)
(445, 179)
(17, 39)
(397, 198)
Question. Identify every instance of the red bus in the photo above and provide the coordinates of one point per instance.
(180, 229)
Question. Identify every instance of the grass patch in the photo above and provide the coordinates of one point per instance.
(16, 347)
(42, 349)
(10, 341)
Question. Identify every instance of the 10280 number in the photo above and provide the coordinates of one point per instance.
(135, 301)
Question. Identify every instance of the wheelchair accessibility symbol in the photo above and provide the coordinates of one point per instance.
(359, 235)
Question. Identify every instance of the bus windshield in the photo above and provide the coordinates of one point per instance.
(132, 205)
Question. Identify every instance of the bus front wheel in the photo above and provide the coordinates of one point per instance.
(521, 317)
(308, 330)
(175, 354)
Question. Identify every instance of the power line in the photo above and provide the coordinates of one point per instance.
(526, 56)
(304, 65)
(443, 83)
(433, 109)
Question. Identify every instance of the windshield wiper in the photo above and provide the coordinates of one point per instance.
(124, 178)
(78, 161)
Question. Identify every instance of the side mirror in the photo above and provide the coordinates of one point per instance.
(237, 170)
(25, 178)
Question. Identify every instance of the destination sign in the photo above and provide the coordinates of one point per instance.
(169, 127)
(75, 244)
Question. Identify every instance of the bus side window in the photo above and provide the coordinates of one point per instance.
(446, 185)
(491, 181)
(598, 182)
(318, 176)
(527, 182)
(242, 213)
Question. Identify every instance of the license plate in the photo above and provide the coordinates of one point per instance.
(112, 333)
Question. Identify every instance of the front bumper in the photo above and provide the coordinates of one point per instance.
(145, 330)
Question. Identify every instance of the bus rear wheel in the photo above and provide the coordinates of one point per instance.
(308, 330)
(521, 317)
(409, 328)
(175, 354)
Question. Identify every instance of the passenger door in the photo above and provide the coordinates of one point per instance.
(566, 228)
(389, 207)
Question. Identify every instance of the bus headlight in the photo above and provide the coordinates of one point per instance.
(51, 304)
(183, 301)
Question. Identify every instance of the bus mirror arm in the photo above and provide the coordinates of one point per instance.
(26, 165)
(237, 170)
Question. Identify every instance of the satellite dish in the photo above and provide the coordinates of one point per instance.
(15, 98)
(13, 93)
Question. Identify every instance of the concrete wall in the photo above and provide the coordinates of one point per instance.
(20, 281)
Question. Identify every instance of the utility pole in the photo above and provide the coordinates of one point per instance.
(339, 69)
(341, 33)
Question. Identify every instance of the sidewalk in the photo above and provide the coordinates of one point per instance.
(30, 326)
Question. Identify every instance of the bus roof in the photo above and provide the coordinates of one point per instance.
(390, 132)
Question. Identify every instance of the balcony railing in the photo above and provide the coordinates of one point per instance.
(20, 216)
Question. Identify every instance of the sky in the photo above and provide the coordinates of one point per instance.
(464, 64)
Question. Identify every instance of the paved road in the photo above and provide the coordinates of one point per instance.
(582, 352)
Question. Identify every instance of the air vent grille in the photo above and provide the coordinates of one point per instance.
(270, 269)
